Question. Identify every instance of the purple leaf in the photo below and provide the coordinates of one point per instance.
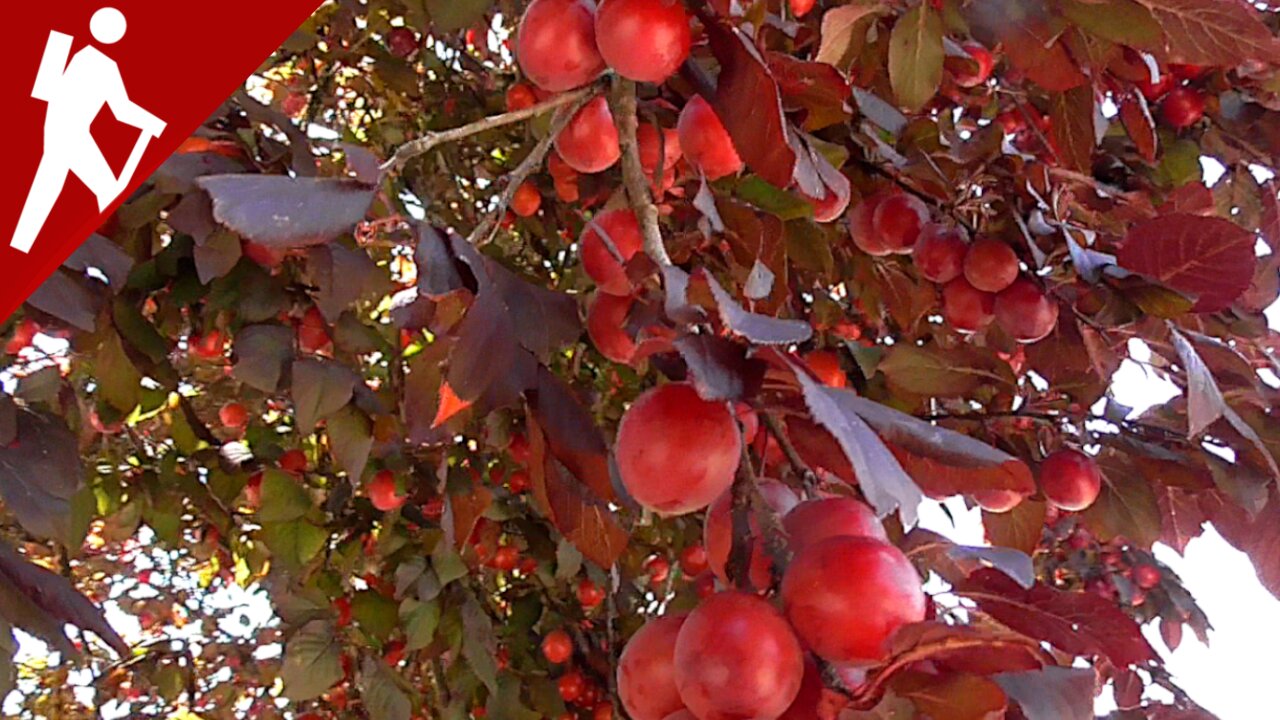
(760, 329)
(39, 473)
(284, 212)
(53, 600)
(437, 272)
(720, 368)
(1051, 693)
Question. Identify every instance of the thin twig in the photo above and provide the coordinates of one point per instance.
(798, 464)
(484, 232)
(624, 114)
(424, 144)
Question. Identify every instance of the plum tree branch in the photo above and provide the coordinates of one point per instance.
(426, 143)
(637, 185)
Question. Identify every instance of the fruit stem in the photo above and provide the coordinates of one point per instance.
(424, 144)
(624, 114)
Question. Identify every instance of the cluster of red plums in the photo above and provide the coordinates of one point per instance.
(737, 655)
(981, 280)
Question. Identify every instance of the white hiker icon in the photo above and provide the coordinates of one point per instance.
(76, 93)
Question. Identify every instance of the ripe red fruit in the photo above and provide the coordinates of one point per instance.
(736, 657)
(939, 253)
(518, 481)
(1182, 107)
(646, 670)
(652, 144)
(590, 595)
(990, 265)
(313, 331)
(808, 703)
(826, 365)
(603, 711)
(813, 521)
(253, 490)
(623, 230)
(506, 558)
(1153, 91)
(965, 307)
(556, 44)
(676, 452)
(1070, 480)
(748, 419)
(705, 141)
(402, 42)
(681, 715)
(571, 686)
(846, 595)
(343, 606)
(526, 200)
(557, 647)
(704, 586)
(966, 74)
(693, 560)
(658, 568)
(606, 326)
(643, 40)
(520, 97)
(800, 8)
(887, 222)
(1187, 72)
(1025, 312)
(383, 492)
(997, 501)
(589, 143)
(234, 415)
(210, 346)
(294, 461)
(898, 219)
(1146, 576)
(717, 532)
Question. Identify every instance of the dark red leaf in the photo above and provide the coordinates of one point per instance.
(1080, 623)
(1032, 40)
(486, 347)
(749, 105)
(1205, 32)
(815, 87)
(40, 471)
(1208, 258)
(437, 272)
(983, 650)
(1021, 528)
(1135, 114)
(720, 369)
(759, 329)
(284, 212)
(544, 320)
(1072, 129)
(53, 597)
(1052, 693)
(1257, 536)
(571, 434)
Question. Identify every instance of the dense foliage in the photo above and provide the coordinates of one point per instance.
(365, 344)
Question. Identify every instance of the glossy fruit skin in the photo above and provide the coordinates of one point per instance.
(898, 219)
(693, 560)
(809, 700)
(1153, 91)
(233, 415)
(676, 452)
(383, 493)
(1025, 312)
(965, 76)
(939, 253)
(606, 326)
(646, 670)
(862, 229)
(813, 521)
(717, 532)
(505, 558)
(736, 658)
(1070, 480)
(1182, 108)
(681, 714)
(846, 595)
(402, 42)
(990, 265)
(800, 8)
(967, 308)
(1146, 576)
(526, 200)
(997, 501)
(653, 143)
(658, 568)
(589, 594)
(557, 647)
(826, 365)
(556, 44)
(643, 40)
(294, 461)
(571, 686)
(520, 97)
(829, 208)
(705, 141)
(589, 143)
(623, 230)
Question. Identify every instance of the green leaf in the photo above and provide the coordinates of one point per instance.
(915, 56)
(351, 439)
(450, 15)
(293, 544)
(119, 382)
(935, 372)
(773, 200)
(506, 704)
(447, 563)
(808, 246)
(170, 682)
(283, 497)
(420, 620)
(320, 388)
(383, 697)
(844, 31)
(375, 613)
(312, 661)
